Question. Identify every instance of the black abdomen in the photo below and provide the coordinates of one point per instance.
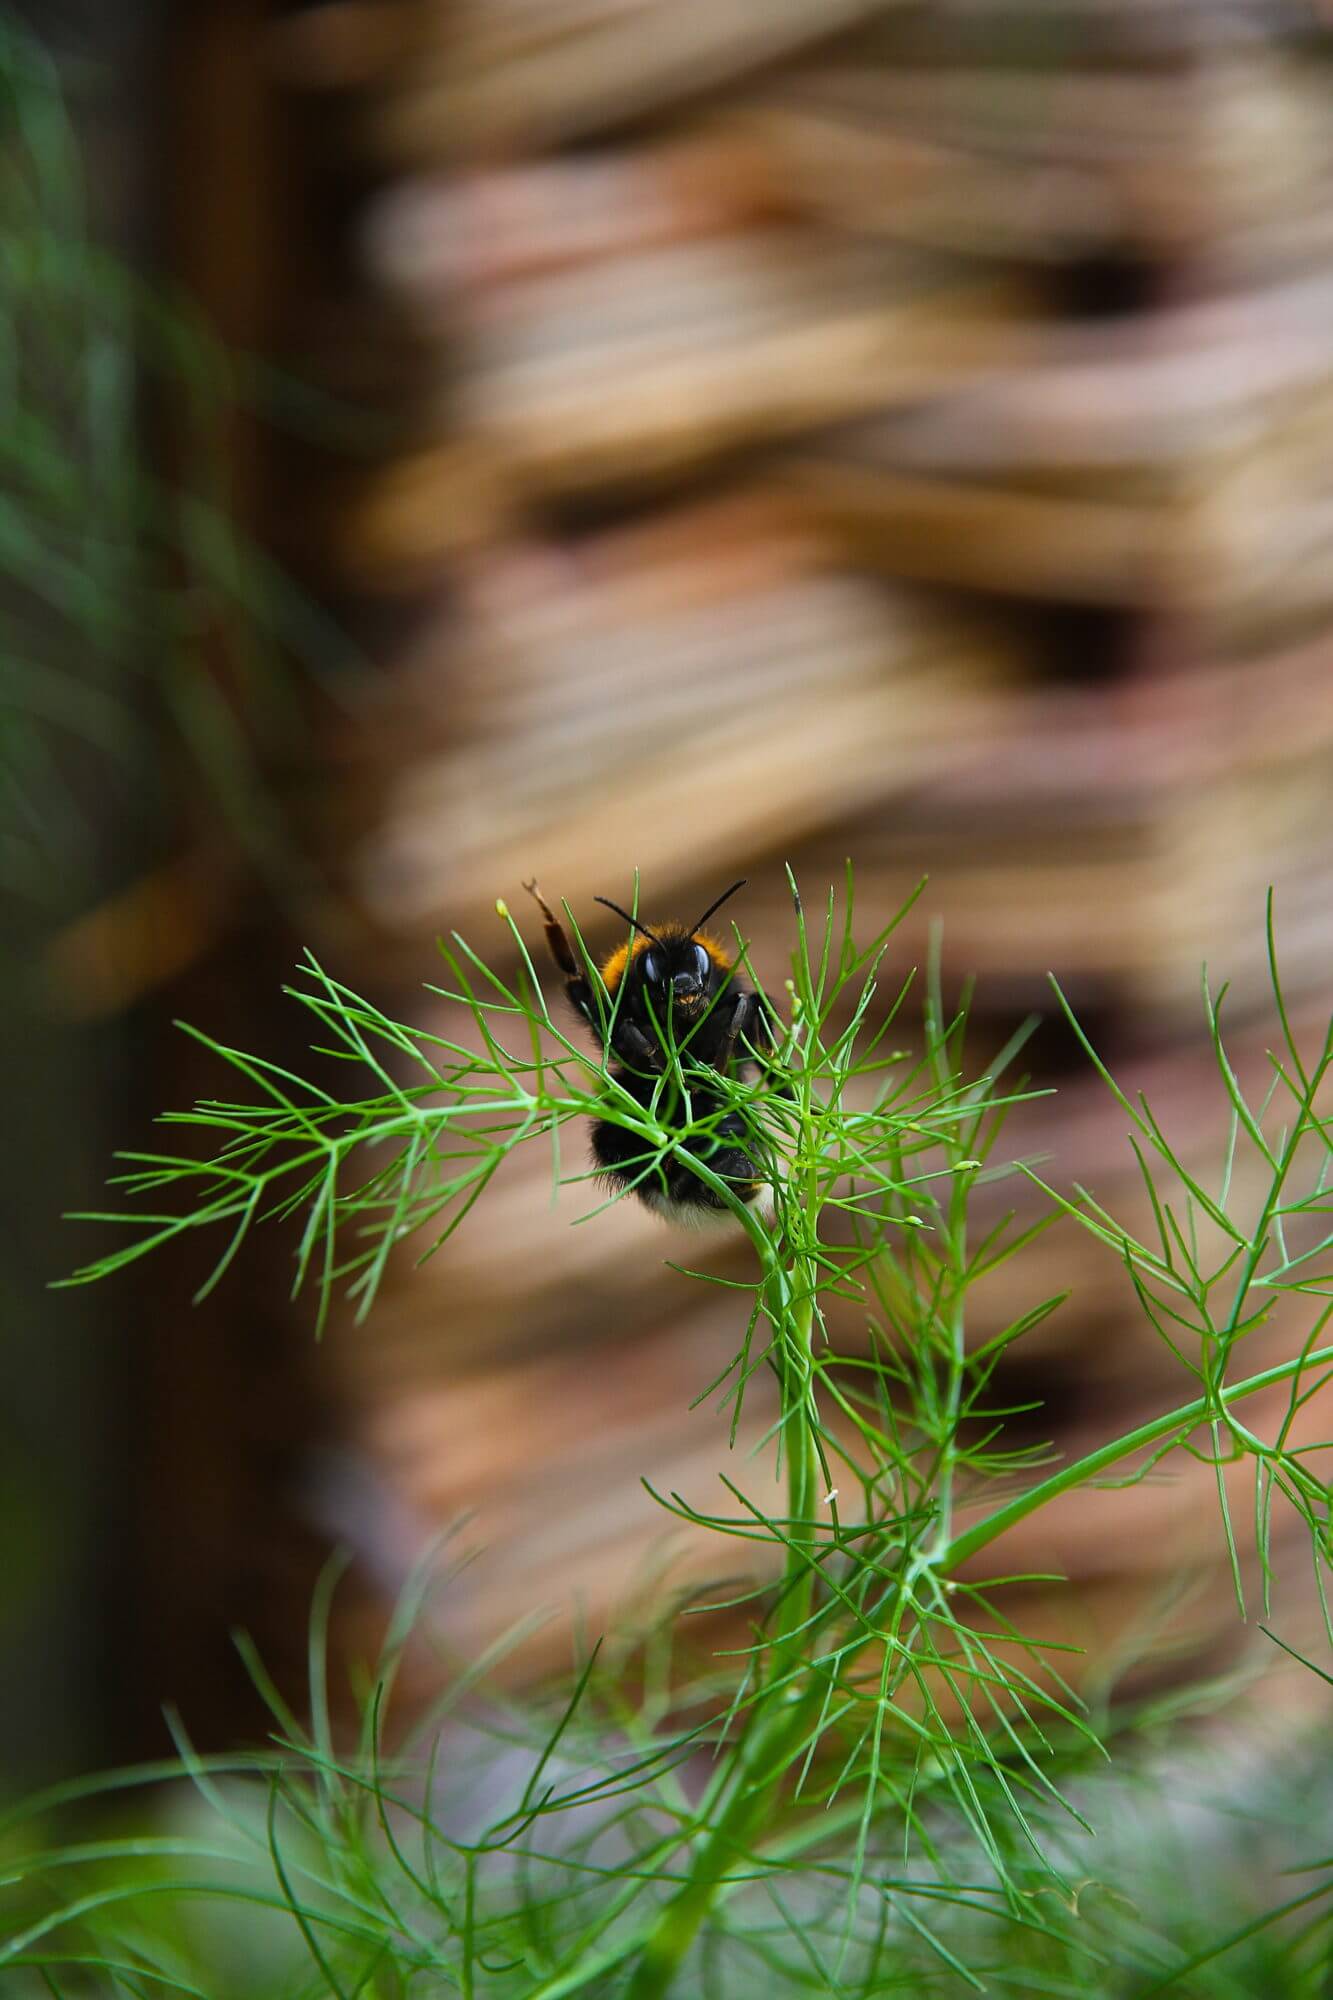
(665, 1181)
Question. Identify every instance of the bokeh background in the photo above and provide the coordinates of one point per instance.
(456, 439)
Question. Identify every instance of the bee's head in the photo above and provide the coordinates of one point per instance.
(675, 970)
(671, 968)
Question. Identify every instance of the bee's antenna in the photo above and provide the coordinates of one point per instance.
(718, 904)
(606, 903)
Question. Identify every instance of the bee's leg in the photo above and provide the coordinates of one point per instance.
(764, 1037)
(562, 952)
(740, 1015)
(727, 1156)
(752, 1019)
(629, 1042)
(557, 943)
(749, 1022)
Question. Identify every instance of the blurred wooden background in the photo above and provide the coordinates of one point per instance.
(791, 430)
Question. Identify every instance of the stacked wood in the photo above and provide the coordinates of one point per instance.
(1177, 464)
(625, 372)
(886, 429)
(718, 679)
(1053, 163)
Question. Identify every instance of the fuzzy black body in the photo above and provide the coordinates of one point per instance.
(671, 1189)
(669, 986)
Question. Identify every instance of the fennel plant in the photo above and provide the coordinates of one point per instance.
(885, 1786)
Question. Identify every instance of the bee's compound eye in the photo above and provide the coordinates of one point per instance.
(702, 964)
(652, 968)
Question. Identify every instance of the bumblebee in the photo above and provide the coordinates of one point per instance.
(671, 987)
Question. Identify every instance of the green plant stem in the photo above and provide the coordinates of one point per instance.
(779, 1717)
(781, 1723)
(956, 1364)
(1184, 1419)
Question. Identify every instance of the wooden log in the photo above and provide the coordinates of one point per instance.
(491, 82)
(434, 240)
(1049, 165)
